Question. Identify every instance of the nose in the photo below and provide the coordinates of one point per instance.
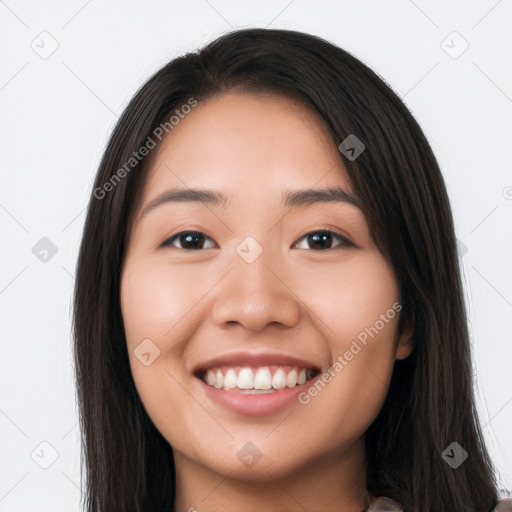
(255, 295)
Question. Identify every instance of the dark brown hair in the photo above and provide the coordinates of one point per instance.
(430, 403)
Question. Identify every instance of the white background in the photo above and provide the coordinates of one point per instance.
(56, 115)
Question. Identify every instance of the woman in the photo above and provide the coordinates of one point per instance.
(268, 308)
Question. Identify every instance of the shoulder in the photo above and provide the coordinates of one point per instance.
(383, 504)
(504, 505)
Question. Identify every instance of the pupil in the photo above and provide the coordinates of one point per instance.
(191, 237)
(316, 238)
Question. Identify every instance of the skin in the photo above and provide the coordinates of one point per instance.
(294, 298)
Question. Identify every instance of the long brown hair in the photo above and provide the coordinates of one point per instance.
(430, 404)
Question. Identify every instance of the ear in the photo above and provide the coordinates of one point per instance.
(405, 342)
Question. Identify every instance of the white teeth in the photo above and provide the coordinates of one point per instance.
(211, 379)
(245, 379)
(279, 379)
(219, 380)
(230, 380)
(291, 379)
(263, 379)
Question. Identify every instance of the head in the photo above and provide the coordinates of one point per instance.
(358, 278)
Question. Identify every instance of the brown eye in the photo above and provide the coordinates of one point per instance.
(317, 240)
(189, 240)
(323, 240)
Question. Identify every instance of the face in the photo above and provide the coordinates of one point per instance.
(255, 292)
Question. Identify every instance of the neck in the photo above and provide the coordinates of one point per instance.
(333, 482)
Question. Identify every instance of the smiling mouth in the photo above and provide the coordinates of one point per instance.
(256, 380)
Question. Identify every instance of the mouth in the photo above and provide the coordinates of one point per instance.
(254, 384)
(256, 379)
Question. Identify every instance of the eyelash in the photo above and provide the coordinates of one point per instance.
(345, 242)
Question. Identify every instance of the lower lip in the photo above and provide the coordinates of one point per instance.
(259, 404)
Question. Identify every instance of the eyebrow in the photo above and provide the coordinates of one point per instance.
(291, 198)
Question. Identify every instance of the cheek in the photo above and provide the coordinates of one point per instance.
(154, 302)
(359, 313)
(354, 297)
(157, 311)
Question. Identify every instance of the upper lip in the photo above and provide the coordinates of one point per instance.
(253, 359)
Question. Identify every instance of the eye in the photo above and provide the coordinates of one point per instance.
(189, 240)
(322, 240)
(319, 240)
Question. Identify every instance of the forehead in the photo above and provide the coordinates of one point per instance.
(247, 143)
